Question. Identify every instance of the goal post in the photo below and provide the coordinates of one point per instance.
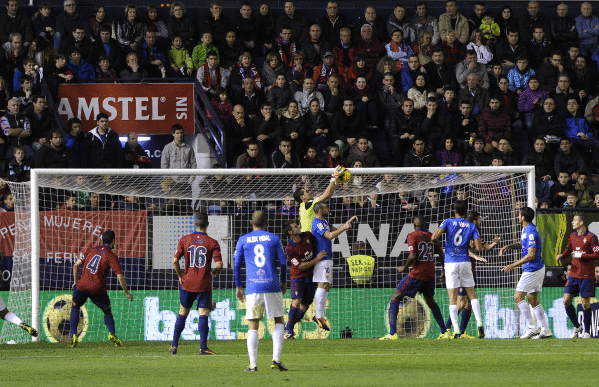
(361, 287)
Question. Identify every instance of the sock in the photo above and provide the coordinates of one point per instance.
(252, 342)
(109, 320)
(319, 312)
(466, 313)
(436, 311)
(293, 312)
(277, 342)
(179, 326)
(533, 318)
(540, 313)
(13, 318)
(571, 312)
(587, 320)
(448, 324)
(476, 309)
(453, 315)
(393, 309)
(323, 305)
(525, 312)
(299, 315)
(74, 320)
(203, 328)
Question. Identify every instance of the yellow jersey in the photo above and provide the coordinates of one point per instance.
(306, 214)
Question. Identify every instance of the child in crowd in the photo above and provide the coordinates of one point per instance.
(198, 56)
(221, 104)
(489, 28)
(9, 203)
(18, 168)
(334, 159)
(584, 191)
(103, 70)
(559, 190)
(180, 60)
(311, 159)
(571, 200)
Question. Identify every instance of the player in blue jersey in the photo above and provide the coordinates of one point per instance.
(260, 249)
(458, 269)
(324, 234)
(531, 281)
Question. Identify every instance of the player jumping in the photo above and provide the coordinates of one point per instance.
(531, 281)
(300, 252)
(422, 277)
(260, 249)
(9, 316)
(96, 263)
(324, 234)
(196, 282)
(458, 270)
(583, 246)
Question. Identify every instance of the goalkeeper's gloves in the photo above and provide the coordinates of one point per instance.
(338, 171)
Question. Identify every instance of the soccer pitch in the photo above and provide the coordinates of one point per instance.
(349, 362)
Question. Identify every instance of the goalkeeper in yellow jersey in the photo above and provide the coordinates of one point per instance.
(307, 201)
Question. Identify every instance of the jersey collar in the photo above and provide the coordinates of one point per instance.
(200, 233)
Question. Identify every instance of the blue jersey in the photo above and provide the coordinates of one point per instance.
(459, 234)
(531, 238)
(319, 227)
(260, 250)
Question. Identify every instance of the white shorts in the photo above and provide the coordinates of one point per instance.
(2, 304)
(257, 303)
(531, 281)
(459, 274)
(323, 271)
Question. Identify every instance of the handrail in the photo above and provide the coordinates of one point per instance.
(52, 106)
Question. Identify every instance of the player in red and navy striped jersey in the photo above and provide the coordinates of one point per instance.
(96, 264)
(199, 251)
(300, 252)
(583, 247)
(422, 277)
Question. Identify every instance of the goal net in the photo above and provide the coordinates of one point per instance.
(150, 210)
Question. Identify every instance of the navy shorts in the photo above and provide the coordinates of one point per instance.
(409, 286)
(303, 288)
(583, 286)
(101, 300)
(188, 298)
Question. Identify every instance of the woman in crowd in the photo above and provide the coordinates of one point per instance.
(479, 44)
(129, 30)
(179, 24)
(245, 68)
(420, 92)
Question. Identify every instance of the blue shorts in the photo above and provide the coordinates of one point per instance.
(101, 300)
(583, 286)
(410, 285)
(187, 299)
(303, 288)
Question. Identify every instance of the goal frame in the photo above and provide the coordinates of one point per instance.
(529, 171)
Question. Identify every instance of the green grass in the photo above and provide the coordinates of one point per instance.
(355, 362)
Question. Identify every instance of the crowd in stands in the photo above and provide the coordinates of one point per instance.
(405, 89)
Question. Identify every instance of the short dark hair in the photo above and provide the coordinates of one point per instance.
(71, 121)
(318, 206)
(105, 28)
(201, 220)
(472, 216)
(297, 195)
(101, 115)
(211, 53)
(420, 220)
(177, 127)
(527, 213)
(108, 237)
(287, 226)
(460, 207)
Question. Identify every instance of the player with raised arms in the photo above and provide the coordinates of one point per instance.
(324, 234)
(195, 282)
(463, 301)
(260, 249)
(96, 264)
(533, 273)
(422, 277)
(583, 247)
(458, 269)
(9, 316)
(300, 252)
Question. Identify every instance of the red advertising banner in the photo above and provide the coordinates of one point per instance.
(131, 107)
(66, 234)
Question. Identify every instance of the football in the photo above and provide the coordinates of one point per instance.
(345, 176)
(57, 316)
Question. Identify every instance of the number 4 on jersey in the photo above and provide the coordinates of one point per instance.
(93, 264)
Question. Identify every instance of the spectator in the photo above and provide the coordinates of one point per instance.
(476, 18)
(478, 43)
(298, 24)
(17, 129)
(347, 124)
(531, 19)
(410, 72)
(102, 147)
(398, 49)
(477, 96)
(230, 51)
(177, 154)
(74, 139)
(584, 191)
(249, 98)
(83, 72)
(44, 25)
(358, 69)
(306, 95)
(476, 156)
(491, 30)
(332, 22)
(109, 47)
(530, 101)
(314, 47)
(441, 75)
(179, 24)
(18, 168)
(563, 92)
(245, 69)
(247, 27)
(221, 103)
(577, 128)
(423, 47)
(252, 158)
(368, 47)
(131, 203)
(83, 44)
(494, 123)
(129, 30)
(406, 127)
(454, 51)
(94, 203)
(419, 155)
(365, 100)
(29, 68)
(133, 69)
(559, 191)
(25, 94)
(543, 162)
(12, 55)
(583, 77)
(550, 71)
(389, 99)
(317, 128)
(539, 47)
(377, 26)
(152, 58)
(325, 70)
(587, 27)
(211, 76)
(311, 159)
(568, 160)
(519, 75)
(54, 153)
(548, 121)
(563, 28)
(266, 27)
(284, 157)
(447, 155)
(454, 21)
(266, 129)
(135, 156)
(238, 132)
(420, 92)
(152, 23)
(292, 126)
(361, 152)
(97, 21)
(272, 68)
(279, 95)
(41, 121)
(334, 159)
(471, 65)
(285, 45)
(508, 50)
(103, 69)
(344, 51)
(421, 22)
(571, 55)
(66, 23)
